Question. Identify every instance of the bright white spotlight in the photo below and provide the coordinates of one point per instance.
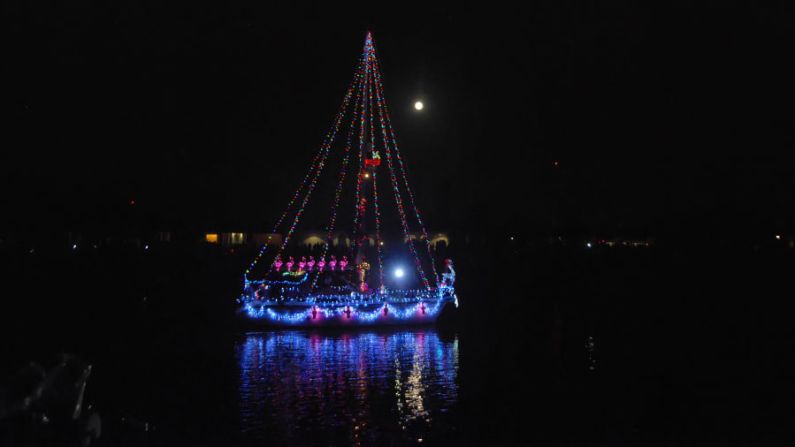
(419, 105)
(399, 273)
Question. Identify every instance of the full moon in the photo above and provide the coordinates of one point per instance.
(419, 105)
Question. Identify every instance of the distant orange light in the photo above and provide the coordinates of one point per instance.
(211, 238)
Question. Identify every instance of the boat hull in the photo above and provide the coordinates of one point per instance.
(302, 314)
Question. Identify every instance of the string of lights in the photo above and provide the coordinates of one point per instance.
(321, 165)
(380, 89)
(357, 194)
(378, 242)
(313, 166)
(353, 313)
(343, 172)
(395, 187)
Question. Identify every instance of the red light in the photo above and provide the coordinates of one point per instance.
(132, 202)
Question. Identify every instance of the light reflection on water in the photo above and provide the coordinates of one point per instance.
(314, 388)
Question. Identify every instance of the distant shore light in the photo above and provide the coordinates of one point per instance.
(419, 105)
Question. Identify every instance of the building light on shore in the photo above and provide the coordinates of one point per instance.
(211, 238)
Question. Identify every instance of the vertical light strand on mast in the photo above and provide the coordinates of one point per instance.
(393, 178)
(375, 199)
(379, 91)
(357, 219)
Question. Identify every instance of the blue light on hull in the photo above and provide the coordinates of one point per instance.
(351, 310)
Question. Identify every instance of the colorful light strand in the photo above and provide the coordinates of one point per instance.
(343, 173)
(395, 187)
(380, 89)
(352, 314)
(312, 168)
(376, 209)
(321, 165)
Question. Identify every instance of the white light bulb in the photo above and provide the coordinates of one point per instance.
(419, 105)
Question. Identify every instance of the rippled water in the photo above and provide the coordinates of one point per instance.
(315, 388)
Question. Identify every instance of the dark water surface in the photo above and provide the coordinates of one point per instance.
(372, 387)
(399, 386)
(605, 348)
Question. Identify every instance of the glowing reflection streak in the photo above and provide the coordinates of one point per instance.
(295, 385)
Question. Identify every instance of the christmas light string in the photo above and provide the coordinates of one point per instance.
(376, 210)
(321, 165)
(395, 187)
(380, 89)
(312, 168)
(357, 224)
(414, 309)
(343, 172)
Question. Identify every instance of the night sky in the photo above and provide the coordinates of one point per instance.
(664, 120)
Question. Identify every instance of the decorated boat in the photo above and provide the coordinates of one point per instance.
(382, 269)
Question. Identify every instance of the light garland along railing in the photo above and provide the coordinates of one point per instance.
(347, 312)
(342, 295)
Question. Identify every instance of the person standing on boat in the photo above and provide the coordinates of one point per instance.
(448, 276)
(362, 269)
